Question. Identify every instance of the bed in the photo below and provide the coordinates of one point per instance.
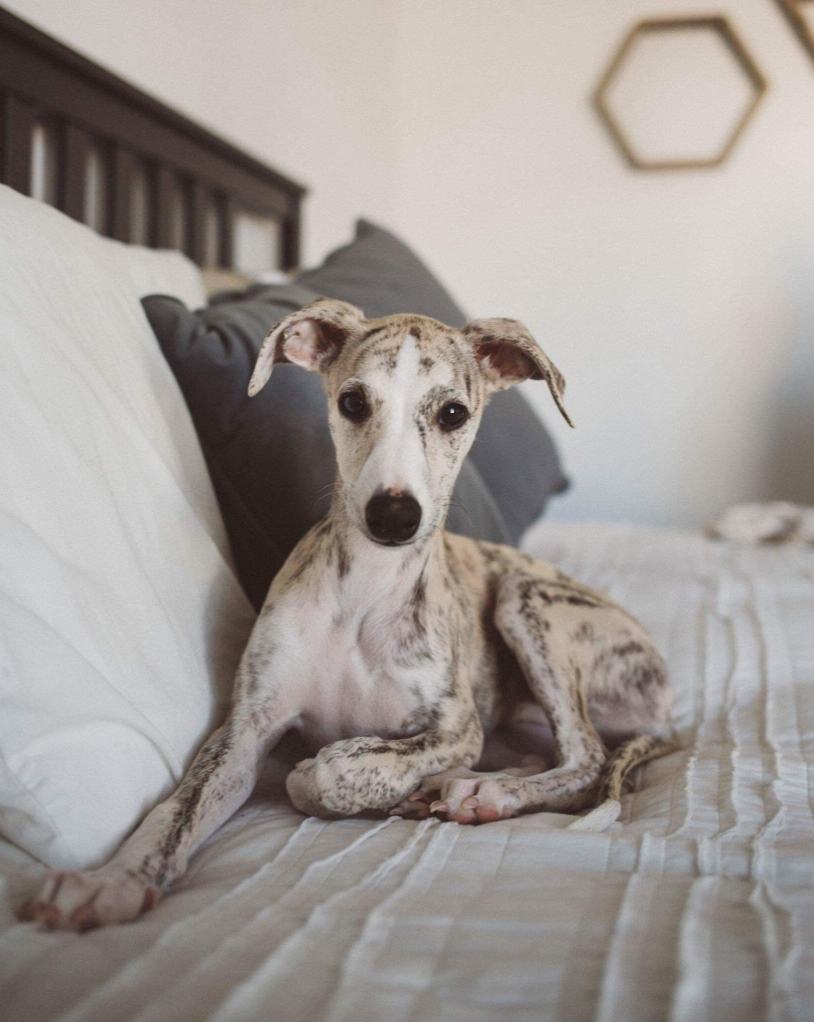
(697, 904)
(108, 155)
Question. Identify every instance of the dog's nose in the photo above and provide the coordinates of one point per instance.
(392, 519)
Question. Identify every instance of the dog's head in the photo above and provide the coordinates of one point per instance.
(405, 396)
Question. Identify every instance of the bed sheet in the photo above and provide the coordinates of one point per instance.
(698, 904)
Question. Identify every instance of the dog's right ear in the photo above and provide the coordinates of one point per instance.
(312, 338)
(509, 354)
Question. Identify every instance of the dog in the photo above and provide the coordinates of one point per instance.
(393, 647)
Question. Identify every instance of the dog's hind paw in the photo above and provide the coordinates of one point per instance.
(415, 806)
(465, 796)
(84, 901)
(480, 799)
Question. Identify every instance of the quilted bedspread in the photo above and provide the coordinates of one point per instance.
(697, 905)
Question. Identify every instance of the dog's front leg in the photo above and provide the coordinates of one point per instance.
(367, 773)
(219, 780)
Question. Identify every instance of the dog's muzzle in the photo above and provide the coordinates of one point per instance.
(391, 519)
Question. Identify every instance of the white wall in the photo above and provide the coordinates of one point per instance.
(680, 306)
(307, 87)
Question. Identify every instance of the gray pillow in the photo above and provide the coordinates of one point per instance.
(380, 274)
(270, 457)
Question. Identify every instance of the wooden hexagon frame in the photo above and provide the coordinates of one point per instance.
(716, 23)
(791, 8)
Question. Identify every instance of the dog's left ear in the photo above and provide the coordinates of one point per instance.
(311, 337)
(508, 354)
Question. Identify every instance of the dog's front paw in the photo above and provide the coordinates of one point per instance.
(83, 901)
(304, 790)
(318, 787)
(346, 778)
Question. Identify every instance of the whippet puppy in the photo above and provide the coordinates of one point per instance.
(392, 646)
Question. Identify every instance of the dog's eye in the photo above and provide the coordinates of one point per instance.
(353, 405)
(452, 416)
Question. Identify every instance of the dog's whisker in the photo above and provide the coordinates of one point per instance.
(325, 496)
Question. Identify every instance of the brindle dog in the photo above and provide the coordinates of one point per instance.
(393, 647)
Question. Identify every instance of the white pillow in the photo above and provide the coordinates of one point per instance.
(121, 621)
(159, 272)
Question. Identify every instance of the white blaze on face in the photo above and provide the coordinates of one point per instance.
(397, 461)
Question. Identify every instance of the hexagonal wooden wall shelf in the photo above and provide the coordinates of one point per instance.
(679, 93)
(800, 14)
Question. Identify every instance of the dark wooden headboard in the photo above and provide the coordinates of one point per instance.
(110, 156)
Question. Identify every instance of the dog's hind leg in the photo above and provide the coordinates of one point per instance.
(533, 617)
(585, 661)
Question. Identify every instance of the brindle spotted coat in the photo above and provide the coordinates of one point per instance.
(396, 662)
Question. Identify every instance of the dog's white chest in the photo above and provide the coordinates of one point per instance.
(353, 682)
